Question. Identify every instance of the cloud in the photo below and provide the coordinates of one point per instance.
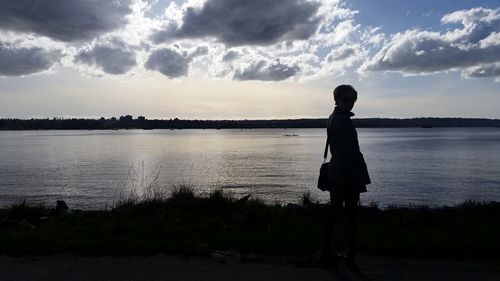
(64, 20)
(199, 51)
(302, 59)
(230, 56)
(482, 71)
(114, 59)
(342, 53)
(243, 22)
(169, 62)
(173, 62)
(267, 40)
(418, 52)
(24, 61)
(344, 31)
(264, 71)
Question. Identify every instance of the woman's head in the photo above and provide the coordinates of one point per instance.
(345, 96)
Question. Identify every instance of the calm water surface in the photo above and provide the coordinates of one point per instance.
(89, 169)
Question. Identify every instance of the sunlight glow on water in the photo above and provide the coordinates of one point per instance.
(89, 168)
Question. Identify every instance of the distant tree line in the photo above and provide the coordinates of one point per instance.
(128, 122)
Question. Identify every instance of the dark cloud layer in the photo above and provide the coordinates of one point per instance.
(64, 20)
(244, 22)
(25, 61)
(169, 62)
(476, 44)
(173, 63)
(264, 71)
(110, 59)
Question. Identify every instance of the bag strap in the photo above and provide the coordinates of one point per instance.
(325, 155)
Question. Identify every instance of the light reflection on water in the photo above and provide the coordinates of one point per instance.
(88, 168)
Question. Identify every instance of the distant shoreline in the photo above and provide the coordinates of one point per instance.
(128, 122)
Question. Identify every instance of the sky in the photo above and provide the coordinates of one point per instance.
(239, 59)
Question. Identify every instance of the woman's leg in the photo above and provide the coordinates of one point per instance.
(330, 221)
(351, 210)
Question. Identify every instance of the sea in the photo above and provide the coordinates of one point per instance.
(95, 169)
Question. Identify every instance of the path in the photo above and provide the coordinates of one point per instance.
(172, 268)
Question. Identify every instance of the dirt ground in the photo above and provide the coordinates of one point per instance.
(229, 266)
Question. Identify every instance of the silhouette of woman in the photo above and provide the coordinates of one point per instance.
(347, 173)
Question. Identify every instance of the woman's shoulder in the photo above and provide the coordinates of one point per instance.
(340, 119)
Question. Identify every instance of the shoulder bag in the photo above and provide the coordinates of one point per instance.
(323, 183)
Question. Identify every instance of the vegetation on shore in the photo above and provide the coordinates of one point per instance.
(128, 122)
(188, 223)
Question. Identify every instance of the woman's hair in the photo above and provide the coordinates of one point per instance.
(341, 89)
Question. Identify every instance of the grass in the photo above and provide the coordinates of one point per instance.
(189, 223)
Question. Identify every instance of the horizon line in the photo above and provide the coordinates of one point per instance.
(234, 119)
